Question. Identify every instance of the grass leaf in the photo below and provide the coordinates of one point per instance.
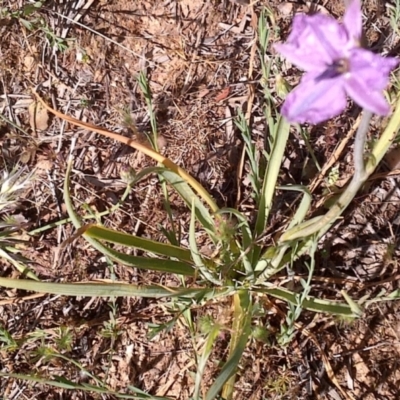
(125, 239)
(241, 332)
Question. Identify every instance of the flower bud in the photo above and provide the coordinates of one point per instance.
(128, 174)
(282, 87)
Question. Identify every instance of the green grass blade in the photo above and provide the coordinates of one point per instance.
(147, 263)
(64, 383)
(241, 333)
(197, 258)
(385, 141)
(203, 360)
(271, 175)
(304, 206)
(119, 289)
(279, 134)
(24, 270)
(252, 154)
(311, 303)
(170, 266)
(125, 239)
(85, 289)
(268, 266)
(190, 198)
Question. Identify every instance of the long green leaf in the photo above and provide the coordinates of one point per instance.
(197, 258)
(267, 266)
(212, 336)
(125, 239)
(20, 267)
(190, 198)
(95, 289)
(170, 266)
(64, 383)
(304, 206)
(147, 263)
(280, 134)
(311, 303)
(241, 333)
(271, 176)
(385, 141)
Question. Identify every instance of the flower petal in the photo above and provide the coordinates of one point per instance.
(352, 20)
(371, 68)
(315, 101)
(368, 76)
(365, 97)
(315, 42)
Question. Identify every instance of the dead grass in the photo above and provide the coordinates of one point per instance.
(197, 55)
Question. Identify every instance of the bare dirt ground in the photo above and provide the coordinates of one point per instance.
(201, 60)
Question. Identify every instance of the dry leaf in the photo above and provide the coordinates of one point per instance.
(23, 103)
(28, 154)
(29, 63)
(223, 94)
(161, 142)
(393, 158)
(44, 166)
(61, 89)
(203, 93)
(285, 8)
(38, 116)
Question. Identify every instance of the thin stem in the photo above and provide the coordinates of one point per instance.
(8, 121)
(359, 145)
(170, 165)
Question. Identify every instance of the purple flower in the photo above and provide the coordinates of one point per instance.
(335, 66)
